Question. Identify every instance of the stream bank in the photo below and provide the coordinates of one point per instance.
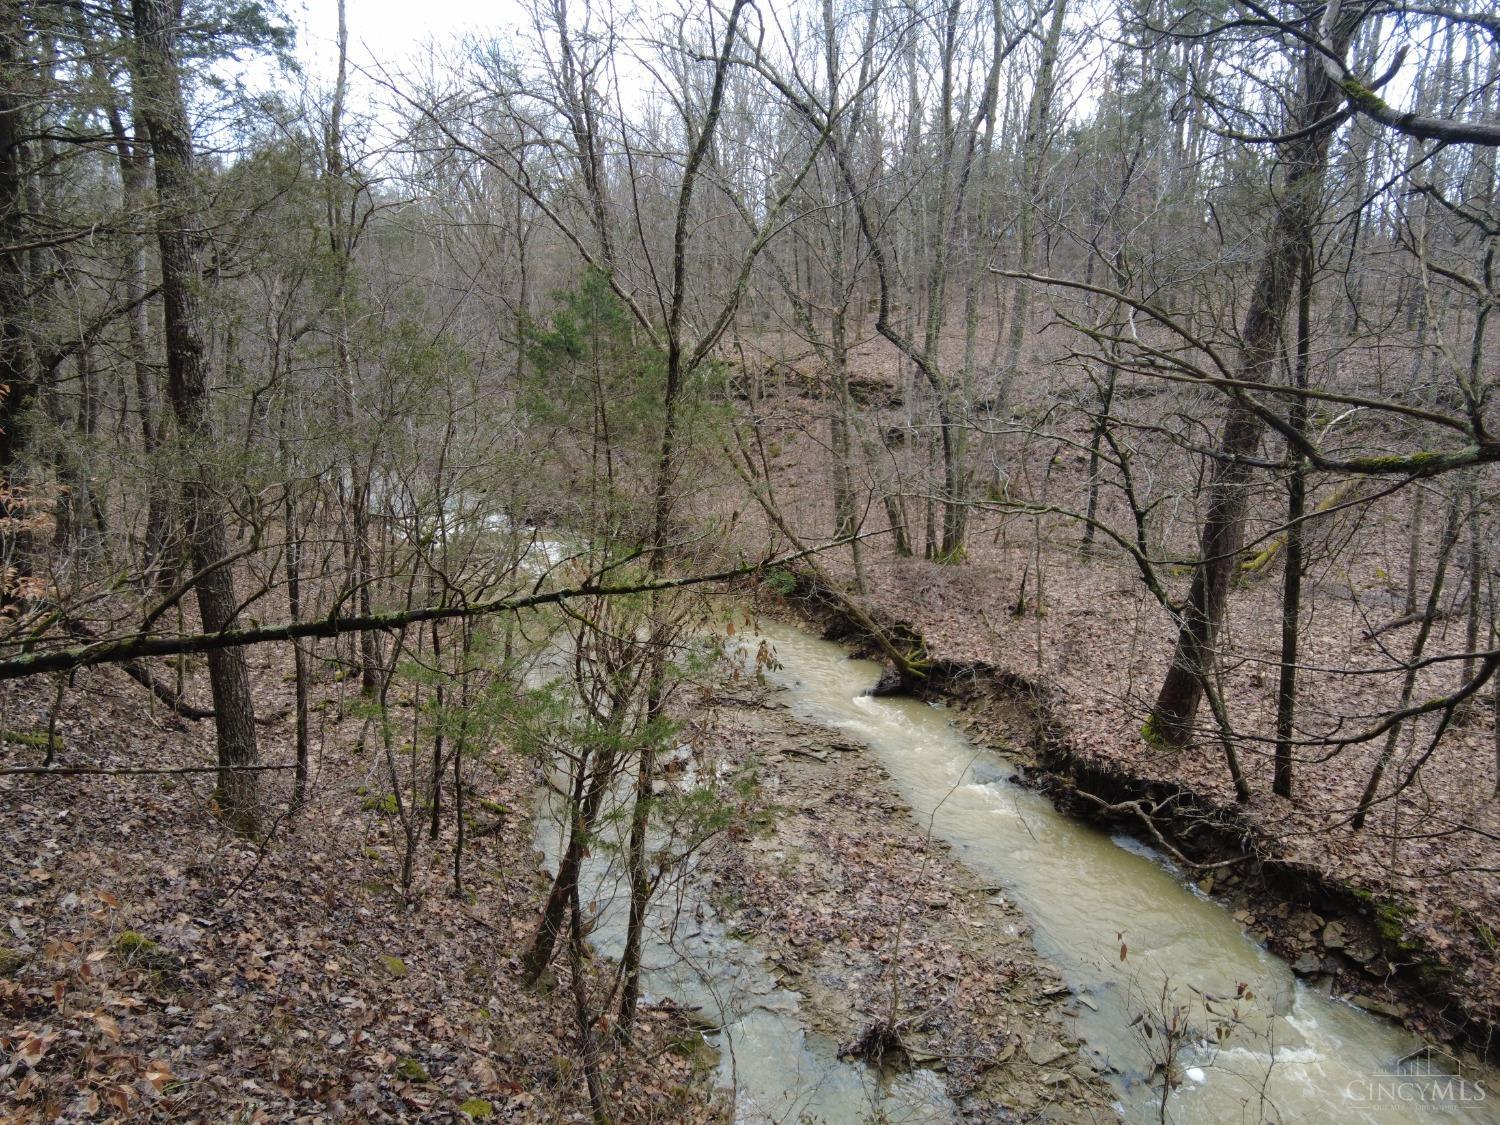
(1341, 939)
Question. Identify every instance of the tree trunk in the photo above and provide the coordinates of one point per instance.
(1414, 529)
(678, 370)
(340, 244)
(588, 794)
(1033, 145)
(1291, 596)
(588, 1051)
(439, 765)
(1475, 571)
(299, 655)
(1495, 693)
(1306, 159)
(178, 232)
(135, 179)
(1478, 555)
(838, 430)
(1418, 646)
(1361, 155)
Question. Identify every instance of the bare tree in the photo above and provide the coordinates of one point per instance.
(179, 235)
(1305, 158)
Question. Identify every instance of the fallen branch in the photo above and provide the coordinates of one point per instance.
(1260, 561)
(71, 771)
(142, 675)
(1400, 623)
(165, 695)
(1139, 810)
(139, 645)
(739, 701)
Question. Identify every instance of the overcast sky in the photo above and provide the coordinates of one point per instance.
(389, 31)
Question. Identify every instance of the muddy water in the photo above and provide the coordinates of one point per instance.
(1281, 1052)
(771, 1064)
(775, 1067)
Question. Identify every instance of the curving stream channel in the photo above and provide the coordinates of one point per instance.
(1292, 1053)
(1280, 1052)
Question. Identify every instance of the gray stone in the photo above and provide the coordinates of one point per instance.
(1307, 965)
(1044, 1052)
(1363, 950)
(1379, 1007)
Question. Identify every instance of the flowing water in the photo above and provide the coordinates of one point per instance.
(777, 1069)
(1288, 1053)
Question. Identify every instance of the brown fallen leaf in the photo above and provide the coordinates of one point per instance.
(85, 1104)
(34, 1048)
(158, 1073)
(108, 1026)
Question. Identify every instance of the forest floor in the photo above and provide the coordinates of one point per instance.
(1099, 645)
(157, 967)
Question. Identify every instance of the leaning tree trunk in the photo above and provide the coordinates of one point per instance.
(589, 790)
(1413, 663)
(164, 112)
(678, 370)
(1306, 158)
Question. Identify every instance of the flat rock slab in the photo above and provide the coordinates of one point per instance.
(1045, 1052)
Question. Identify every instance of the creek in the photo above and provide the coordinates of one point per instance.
(1277, 1049)
(1139, 946)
